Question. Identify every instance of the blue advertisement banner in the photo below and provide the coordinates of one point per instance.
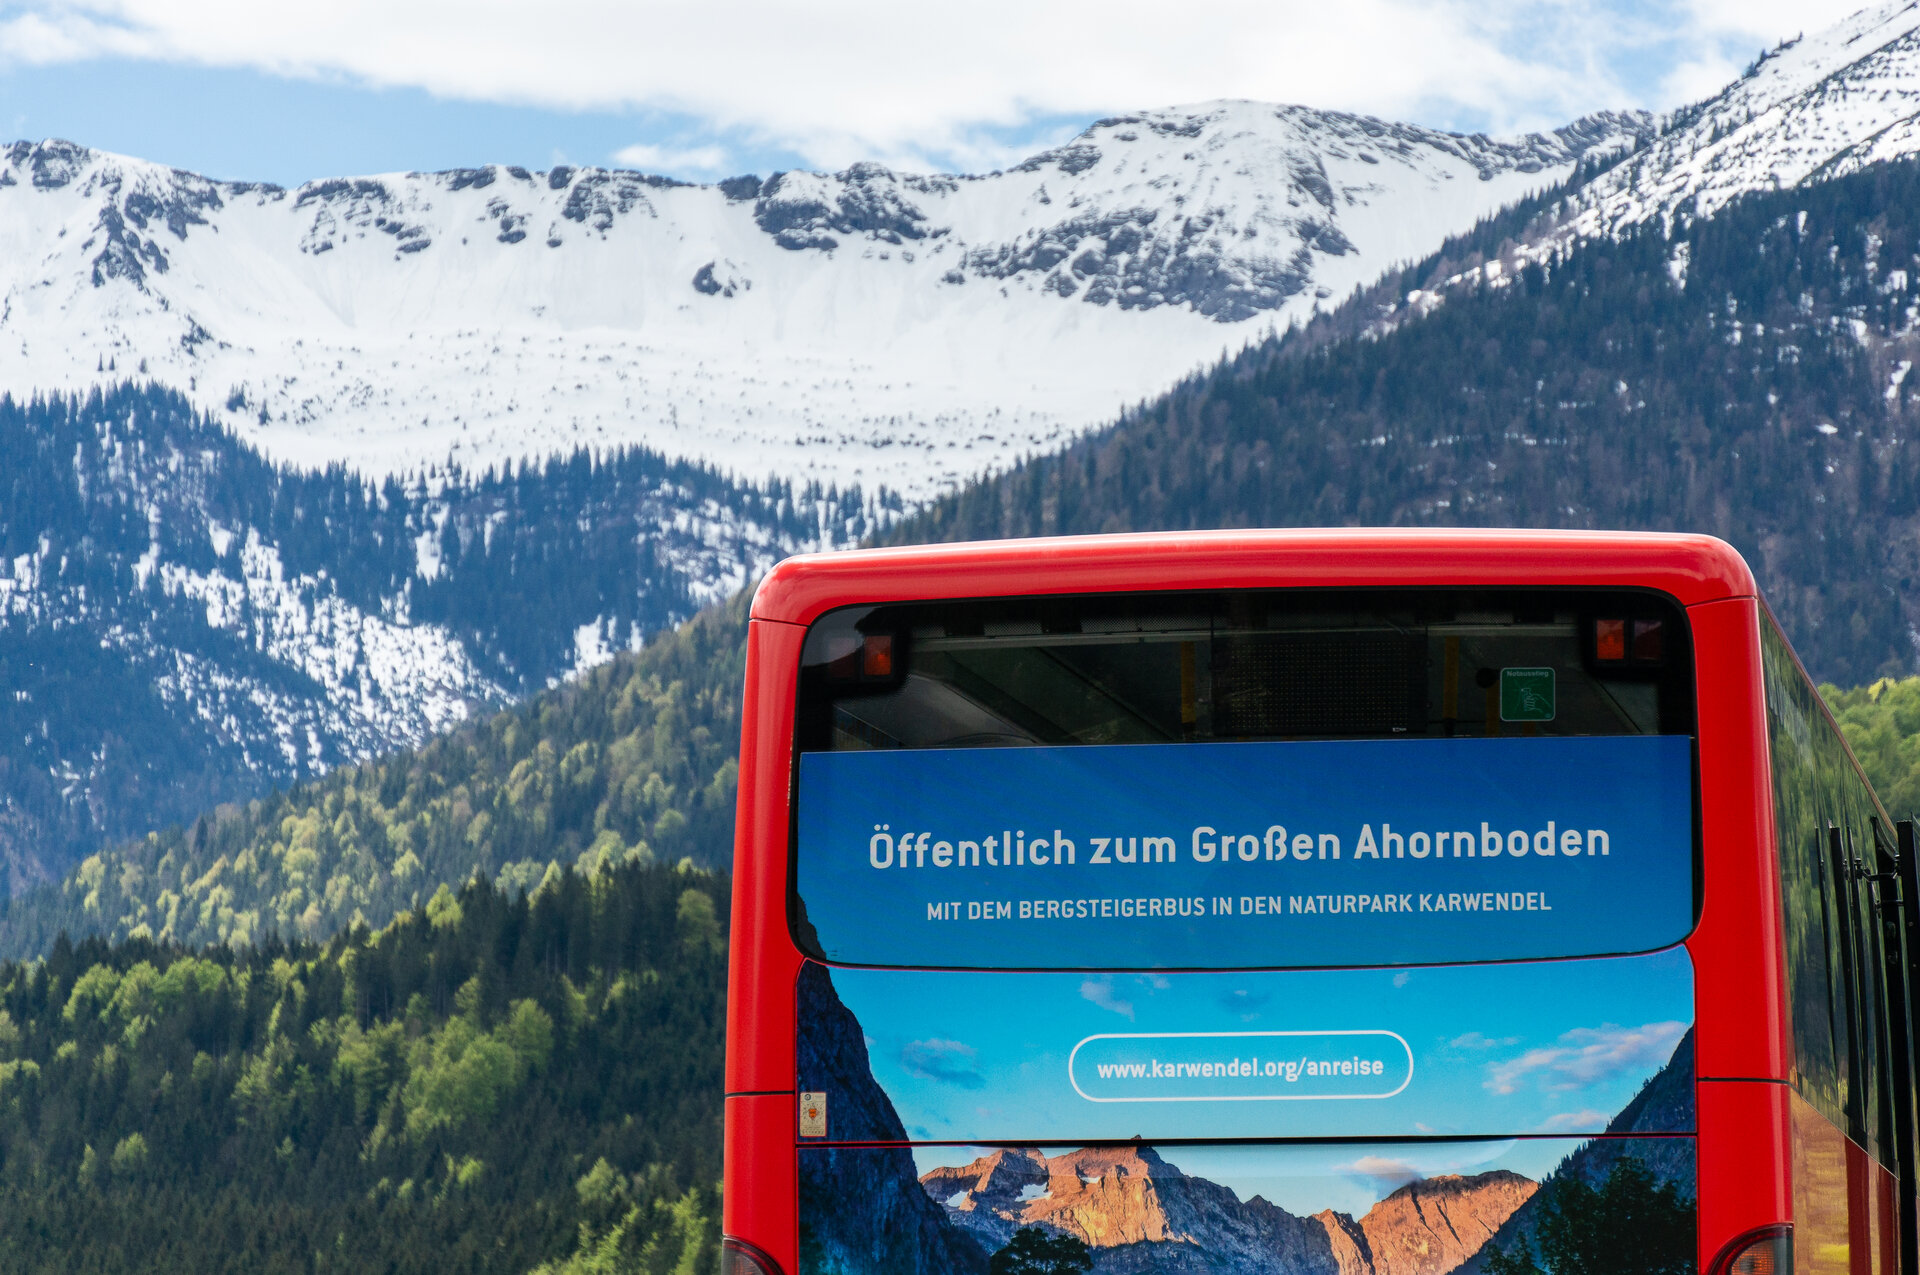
(1247, 855)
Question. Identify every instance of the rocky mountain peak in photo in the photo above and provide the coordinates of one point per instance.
(1139, 1213)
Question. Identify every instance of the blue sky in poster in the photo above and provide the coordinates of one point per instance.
(1538, 1048)
(1370, 851)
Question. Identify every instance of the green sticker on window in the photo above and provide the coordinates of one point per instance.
(1526, 694)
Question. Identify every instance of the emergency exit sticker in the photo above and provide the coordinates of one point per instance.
(813, 1115)
(1526, 694)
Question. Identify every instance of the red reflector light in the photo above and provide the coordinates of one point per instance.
(1767, 1251)
(737, 1257)
(843, 657)
(1609, 639)
(877, 659)
(1649, 641)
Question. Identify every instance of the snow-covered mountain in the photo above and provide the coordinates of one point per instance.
(182, 623)
(1827, 104)
(872, 326)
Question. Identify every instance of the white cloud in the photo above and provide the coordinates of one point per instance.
(657, 159)
(1099, 991)
(1767, 21)
(1383, 1173)
(1588, 1055)
(1587, 1121)
(1477, 1040)
(840, 80)
(947, 1061)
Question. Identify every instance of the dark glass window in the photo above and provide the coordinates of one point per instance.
(1270, 664)
(1832, 845)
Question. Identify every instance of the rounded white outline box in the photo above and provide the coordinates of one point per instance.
(1278, 1097)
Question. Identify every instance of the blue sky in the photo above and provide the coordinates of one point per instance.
(703, 90)
(1531, 1048)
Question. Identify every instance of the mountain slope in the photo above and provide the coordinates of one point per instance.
(1747, 377)
(183, 624)
(634, 760)
(862, 326)
(1823, 106)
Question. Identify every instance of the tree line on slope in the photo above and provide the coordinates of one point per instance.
(490, 1083)
(1745, 375)
(636, 760)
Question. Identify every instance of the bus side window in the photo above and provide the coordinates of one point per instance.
(1803, 805)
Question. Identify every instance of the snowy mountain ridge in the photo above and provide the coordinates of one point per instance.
(1822, 106)
(863, 326)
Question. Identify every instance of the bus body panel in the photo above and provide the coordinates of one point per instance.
(1739, 964)
(1744, 1136)
(1764, 1155)
(1693, 569)
(764, 959)
(1741, 1042)
(1821, 1155)
(761, 1204)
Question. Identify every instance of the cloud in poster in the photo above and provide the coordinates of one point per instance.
(1575, 1122)
(1099, 991)
(1477, 1040)
(947, 1062)
(1384, 1174)
(1245, 1005)
(1587, 1056)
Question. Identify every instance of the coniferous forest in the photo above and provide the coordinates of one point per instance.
(490, 1083)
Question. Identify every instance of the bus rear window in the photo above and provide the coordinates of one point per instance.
(1249, 779)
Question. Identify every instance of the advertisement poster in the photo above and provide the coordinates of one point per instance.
(1098, 1122)
(1246, 855)
(1551, 1047)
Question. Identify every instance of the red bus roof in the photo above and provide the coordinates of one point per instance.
(1692, 568)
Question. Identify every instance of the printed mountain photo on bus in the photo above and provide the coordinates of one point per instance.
(901, 1202)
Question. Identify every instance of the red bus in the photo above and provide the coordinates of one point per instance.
(1358, 902)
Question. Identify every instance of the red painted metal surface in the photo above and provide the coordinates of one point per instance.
(1745, 1142)
(1693, 569)
(1741, 1034)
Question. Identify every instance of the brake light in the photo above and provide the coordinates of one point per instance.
(1766, 1251)
(737, 1257)
(878, 655)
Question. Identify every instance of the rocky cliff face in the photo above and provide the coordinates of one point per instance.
(1663, 1105)
(1431, 1227)
(1140, 1214)
(861, 1210)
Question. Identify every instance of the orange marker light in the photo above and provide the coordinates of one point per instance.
(877, 660)
(1609, 639)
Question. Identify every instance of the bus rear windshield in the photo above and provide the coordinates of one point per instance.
(1245, 779)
